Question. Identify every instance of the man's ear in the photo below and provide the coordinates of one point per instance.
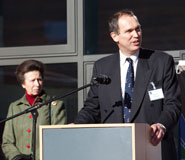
(115, 37)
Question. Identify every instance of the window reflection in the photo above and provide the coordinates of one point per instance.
(161, 21)
(59, 80)
(35, 22)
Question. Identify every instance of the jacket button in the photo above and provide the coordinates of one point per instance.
(38, 99)
(28, 146)
(29, 130)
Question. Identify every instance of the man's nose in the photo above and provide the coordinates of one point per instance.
(135, 33)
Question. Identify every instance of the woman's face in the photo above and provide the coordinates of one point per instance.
(33, 83)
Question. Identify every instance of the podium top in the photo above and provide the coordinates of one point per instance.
(109, 125)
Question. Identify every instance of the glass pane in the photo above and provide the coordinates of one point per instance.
(35, 22)
(60, 79)
(162, 24)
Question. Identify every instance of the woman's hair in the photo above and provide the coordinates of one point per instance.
(27, 66)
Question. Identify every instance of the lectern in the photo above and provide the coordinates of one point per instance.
(97, 142)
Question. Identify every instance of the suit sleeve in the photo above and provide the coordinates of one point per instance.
(8, 139)
(171, 108)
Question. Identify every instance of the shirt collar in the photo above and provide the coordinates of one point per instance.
(134, 57)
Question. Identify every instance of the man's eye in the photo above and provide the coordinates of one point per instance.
(138, 29)
(129, 31)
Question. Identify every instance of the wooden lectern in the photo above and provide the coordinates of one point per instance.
(97, 142)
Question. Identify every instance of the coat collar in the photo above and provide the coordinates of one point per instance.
(39, 99)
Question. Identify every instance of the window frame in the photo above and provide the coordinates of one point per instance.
(47, 50)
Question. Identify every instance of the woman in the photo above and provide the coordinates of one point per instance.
(17, 136)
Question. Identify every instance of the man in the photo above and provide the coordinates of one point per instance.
(153, 97)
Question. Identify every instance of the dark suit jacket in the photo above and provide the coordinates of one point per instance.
(104, 102)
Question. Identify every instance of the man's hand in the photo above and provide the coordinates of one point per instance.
(157, 133)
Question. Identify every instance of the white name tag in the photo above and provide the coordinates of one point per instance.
(156, 94)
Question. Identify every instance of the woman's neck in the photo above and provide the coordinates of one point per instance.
(30, 98)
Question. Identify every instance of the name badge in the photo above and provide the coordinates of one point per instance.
(155, 94)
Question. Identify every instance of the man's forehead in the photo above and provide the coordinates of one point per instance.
(127, 18)
(128, 21)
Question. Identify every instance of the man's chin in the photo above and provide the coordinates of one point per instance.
(136, 48)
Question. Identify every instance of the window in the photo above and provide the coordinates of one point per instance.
(33, 23)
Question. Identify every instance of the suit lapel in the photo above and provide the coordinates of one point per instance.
(115, 86)
(140, 87)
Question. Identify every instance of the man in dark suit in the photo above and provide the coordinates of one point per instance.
(155, 92)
